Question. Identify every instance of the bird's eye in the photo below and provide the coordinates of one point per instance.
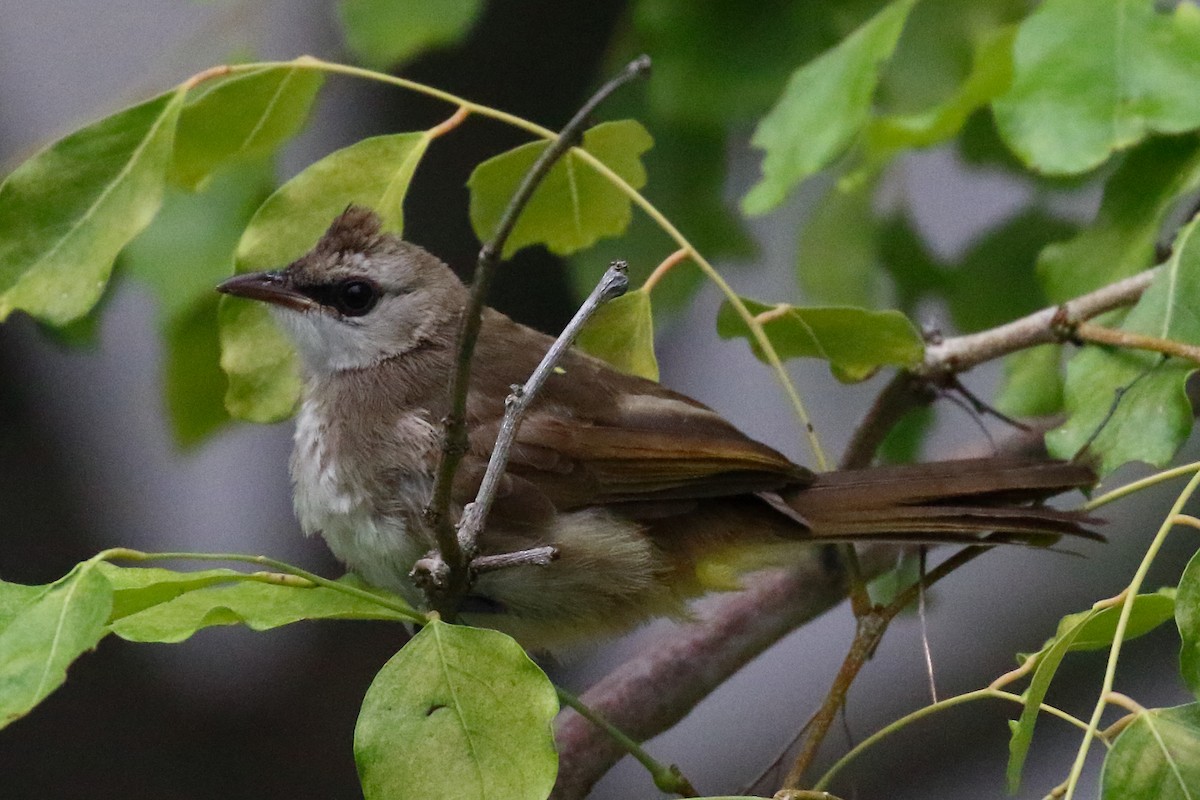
(354, 298)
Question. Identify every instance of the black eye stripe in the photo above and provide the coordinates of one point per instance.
(353, 297)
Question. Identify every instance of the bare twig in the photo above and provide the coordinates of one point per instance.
(961, 353)
(533, 557)
(613, 284)
(1098, 334)
(455, 434)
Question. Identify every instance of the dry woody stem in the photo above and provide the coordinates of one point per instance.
(456, 574)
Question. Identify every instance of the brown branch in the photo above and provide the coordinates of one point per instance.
(454, 440)
(961, 353)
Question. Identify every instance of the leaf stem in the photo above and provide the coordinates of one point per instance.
(1142, 483)
(666, 777)
(929, 710)
(668, 263)
(1131, 593)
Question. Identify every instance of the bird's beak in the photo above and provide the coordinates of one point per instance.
(273, 287)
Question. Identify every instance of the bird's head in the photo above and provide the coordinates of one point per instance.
(358, 297)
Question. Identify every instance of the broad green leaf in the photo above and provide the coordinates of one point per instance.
(1094, 76)
(138, 588)
(14, 597)
(990, 77)
(384, 33)
(574, 205)
(40, 640)
(856, 342)
(68, 211)
(1187, 618)
(837, 260)
(621, 333)
(1156, 758)
(1032, 385)
(688, 165)
(824, 106)
(1086, 630)
(1153, 415)
(259, 606)
(181, 257)
(245, 116)
(1121, 240)
(458, 712)
(263, 372)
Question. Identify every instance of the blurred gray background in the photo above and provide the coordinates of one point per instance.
(87, 460)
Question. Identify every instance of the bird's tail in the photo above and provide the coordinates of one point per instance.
(946, 502)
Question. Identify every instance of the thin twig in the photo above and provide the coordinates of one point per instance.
(961, 353)
(613, 284)
(455, 433)
(1098, 334)
(533, 557)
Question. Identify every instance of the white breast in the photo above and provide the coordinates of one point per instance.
(330, 499)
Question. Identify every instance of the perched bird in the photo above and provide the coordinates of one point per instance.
(649, 496)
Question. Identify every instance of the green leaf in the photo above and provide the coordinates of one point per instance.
(904, 440)
(990, 76)
(1121, 240)
(1156, 758)
(621, 333)
(1092, 77)
(42, 636)
(688, 165)
(837, 261)
(574, 205)
(824, 106)
(458, 712)
(694, 44)
(245, 116)
(259, 606)
(137, 588)
(1032, 385)
(384, 33)
(263, 371)
(1187, 618)
(1154, 415)
(1087, 630)
(68, 211)
(184, 253)
(855, 341)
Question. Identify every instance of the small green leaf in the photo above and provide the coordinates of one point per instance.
(45, 633)
(621, 333)
(68, 211)
(856, 342)
(1033, 383)
(384, 33)
(837, 260)
(1093, 77)
(1187, 618)
(1157, 757)
(1121, 240)
(245, 116)
(458, 712)
(824, 106)
(1087, 630)
(181, 257)
(574, 206)
(263, 372)
(1153, 415)
(259, 606)
(688, 165)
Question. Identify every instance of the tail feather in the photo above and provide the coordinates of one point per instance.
(948, 502)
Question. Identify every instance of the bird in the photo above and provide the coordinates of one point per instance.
(648, 497)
